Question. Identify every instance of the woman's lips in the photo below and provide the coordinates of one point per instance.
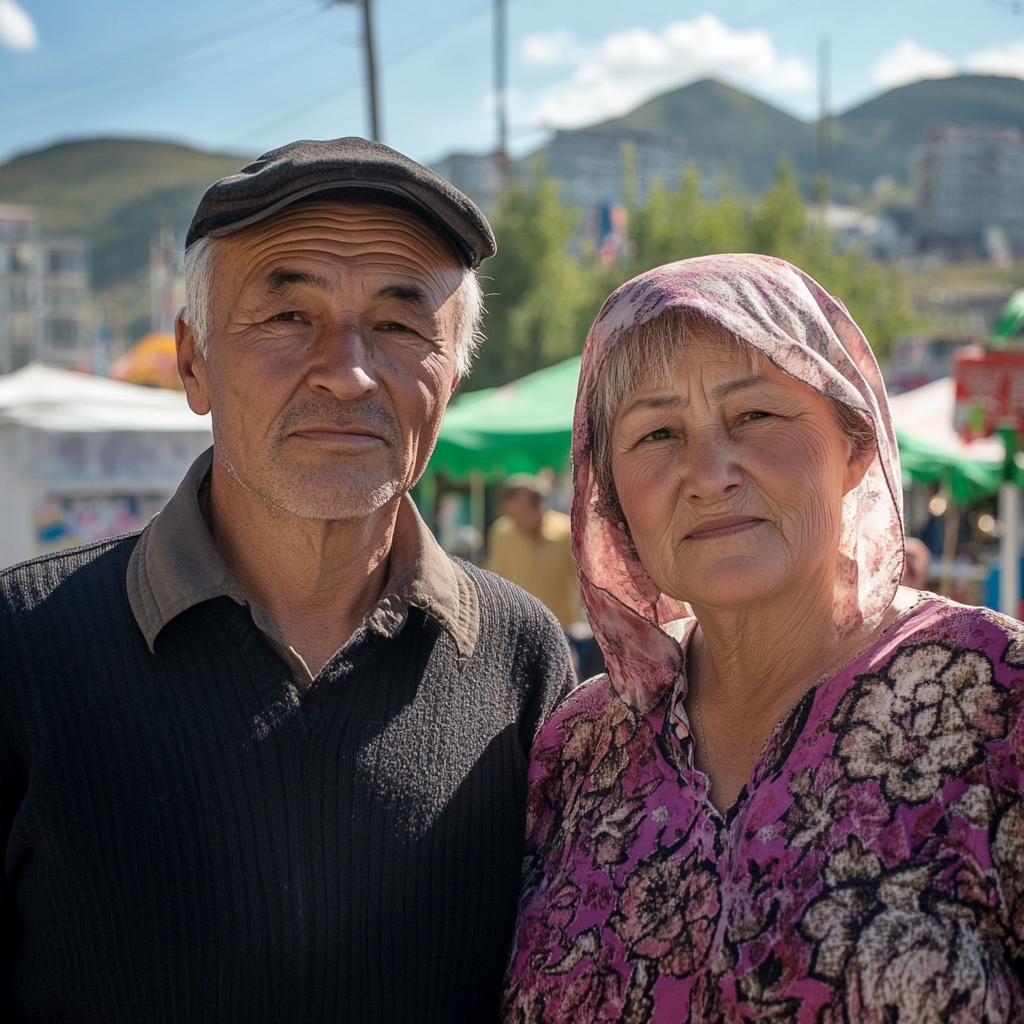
(724, 526)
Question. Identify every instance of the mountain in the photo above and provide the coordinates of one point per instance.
(114, 192)
(869, 141)
(747, 135)
(877, 137)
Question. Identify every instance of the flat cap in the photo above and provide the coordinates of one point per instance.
(350, 170)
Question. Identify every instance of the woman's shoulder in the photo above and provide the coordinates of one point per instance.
(939, 619)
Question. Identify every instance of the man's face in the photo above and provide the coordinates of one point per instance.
(330, 358)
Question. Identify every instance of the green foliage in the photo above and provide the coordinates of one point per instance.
(540, 298)
(544, 296)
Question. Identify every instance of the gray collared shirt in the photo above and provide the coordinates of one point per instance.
(176, 565)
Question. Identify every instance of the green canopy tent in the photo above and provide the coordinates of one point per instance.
(931, 450)
(517, 428)
(1011, 321)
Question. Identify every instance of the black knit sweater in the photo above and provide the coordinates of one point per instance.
(186, 838)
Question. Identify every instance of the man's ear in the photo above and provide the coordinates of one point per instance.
(192, 367)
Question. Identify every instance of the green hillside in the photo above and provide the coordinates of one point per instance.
(114, 192)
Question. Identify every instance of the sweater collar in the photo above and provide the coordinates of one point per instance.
(175, 565)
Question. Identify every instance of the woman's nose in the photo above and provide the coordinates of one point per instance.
(343, 364)
(710, 467)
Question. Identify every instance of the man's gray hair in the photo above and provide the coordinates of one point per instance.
(198, 312)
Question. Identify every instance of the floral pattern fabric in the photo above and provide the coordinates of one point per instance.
(870, 872)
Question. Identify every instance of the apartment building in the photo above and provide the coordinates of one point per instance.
(970, 190)
(43, 287)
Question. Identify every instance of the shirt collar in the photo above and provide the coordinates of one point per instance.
(175, 565)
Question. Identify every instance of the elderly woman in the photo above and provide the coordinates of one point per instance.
(797, 794)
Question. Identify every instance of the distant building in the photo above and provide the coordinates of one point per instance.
(970, 191)
(597, 166)
(42, 294)
(480, 176)
(592, 166)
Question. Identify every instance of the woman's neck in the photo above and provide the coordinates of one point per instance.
(764, 652)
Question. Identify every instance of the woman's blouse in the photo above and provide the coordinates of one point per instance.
(870, 871)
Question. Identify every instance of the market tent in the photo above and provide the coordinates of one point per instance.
(1011, 321)
(526, 425)
(153, 362)
(517, 428)
(930, 449)
(45, 398)
(82, 457)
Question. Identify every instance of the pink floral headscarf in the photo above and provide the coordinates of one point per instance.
(806, 333)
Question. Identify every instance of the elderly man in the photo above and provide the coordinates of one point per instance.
(266, 760)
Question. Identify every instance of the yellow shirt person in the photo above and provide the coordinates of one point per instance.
(531, 547)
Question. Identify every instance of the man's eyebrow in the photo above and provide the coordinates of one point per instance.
(404, 292)
(281, 278)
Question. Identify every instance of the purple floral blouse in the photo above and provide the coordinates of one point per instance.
(870, 871)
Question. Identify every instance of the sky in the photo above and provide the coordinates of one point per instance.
(244, 76)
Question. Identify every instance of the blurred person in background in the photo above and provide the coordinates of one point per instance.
(917, 562)
(798, 793)
(266, 761)
(531, 545)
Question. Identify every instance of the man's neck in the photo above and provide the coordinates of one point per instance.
(318, 579)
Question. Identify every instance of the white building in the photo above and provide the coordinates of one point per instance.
(970, 190)
(43, 287)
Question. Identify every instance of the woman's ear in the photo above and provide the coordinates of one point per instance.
(856, 467)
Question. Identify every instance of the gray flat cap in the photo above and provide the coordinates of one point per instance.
(351, 170)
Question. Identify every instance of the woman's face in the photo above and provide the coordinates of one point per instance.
(731, 476)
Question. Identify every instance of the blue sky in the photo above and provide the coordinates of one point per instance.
(247, 75)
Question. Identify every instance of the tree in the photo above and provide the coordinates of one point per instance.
(539, 296)
(546, 284)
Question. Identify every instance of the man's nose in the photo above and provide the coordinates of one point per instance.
(709, 467)
(343, 363)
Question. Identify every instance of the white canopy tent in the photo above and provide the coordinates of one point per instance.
(82, 458)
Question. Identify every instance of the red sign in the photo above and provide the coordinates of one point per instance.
(989, 392)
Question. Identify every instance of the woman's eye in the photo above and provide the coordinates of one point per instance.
(756, 414)
(393, 326)
(661, 434)
(288, 316)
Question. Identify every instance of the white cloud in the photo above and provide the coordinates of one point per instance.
(910, 62)
(1007, 59)
(17, 30)
(550, 48)
(629, 67)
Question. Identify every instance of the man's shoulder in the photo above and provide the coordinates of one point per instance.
(508, 614)
(80, 573)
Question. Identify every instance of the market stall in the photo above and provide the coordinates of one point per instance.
(83, 458)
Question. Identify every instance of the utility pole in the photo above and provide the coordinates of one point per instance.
(372, 96)
(500, 77)
(822, 181)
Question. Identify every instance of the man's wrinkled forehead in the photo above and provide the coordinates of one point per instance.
(378, 238)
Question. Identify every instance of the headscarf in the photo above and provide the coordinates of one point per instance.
(805, 332)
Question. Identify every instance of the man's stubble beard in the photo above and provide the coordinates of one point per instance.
(366, 490)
